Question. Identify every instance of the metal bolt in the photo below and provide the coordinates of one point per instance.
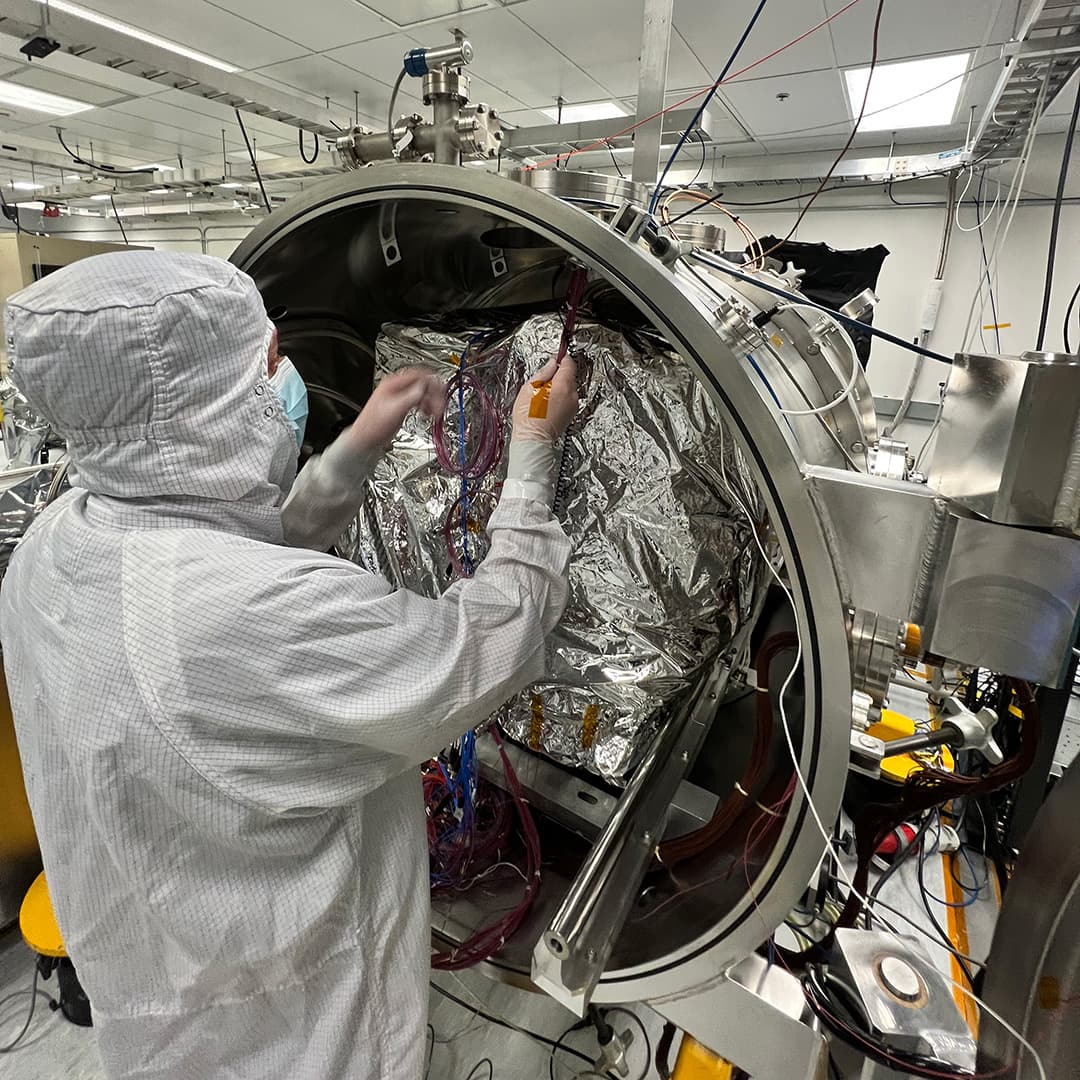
(857, 447)
(712, 695)
(646, 836)
(685, 755)
(868, 741)
(813, 348)
(590, 955)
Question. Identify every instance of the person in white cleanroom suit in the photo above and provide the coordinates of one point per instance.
(220, 726)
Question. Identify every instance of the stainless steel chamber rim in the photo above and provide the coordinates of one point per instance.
(347, 204)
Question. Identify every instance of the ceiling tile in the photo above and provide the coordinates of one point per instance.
(605, 39)
(200, 25)
(919, 28)
(409, 12)
(814, 97)
(316, 24)
(326, 77)
(513, 58)
(712, 30)
(54, 83)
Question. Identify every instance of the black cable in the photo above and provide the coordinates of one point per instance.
(1055, 222)
(701, 166)
(431, 1051)
(834, 1069)
(614, 159)
(705, 104)
(116, 214)
(483, 1061)
(663, 1051)
(580, 1025)
(854, 130)
(393, 102)
(898, 861)
(867, 328)
(303, 157)
(112, 169)
(12, 213)
(491, 1019)
(938, 928)
(834, 187)
(1068, 316)
(8, 1047)
(644, 1034)
(251, 155)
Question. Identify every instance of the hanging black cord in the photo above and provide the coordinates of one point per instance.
(1068, 318)
(1055, 222)
(112, 169)
(116, 214)
(254, 163)
(701, 166)
(614, 160)
(12, 214)
(303, 157)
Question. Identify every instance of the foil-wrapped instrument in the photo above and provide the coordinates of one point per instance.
(652, 492)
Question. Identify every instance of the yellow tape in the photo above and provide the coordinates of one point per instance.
(536, 725)
(589, 723)
(997, 326)
(538, 405)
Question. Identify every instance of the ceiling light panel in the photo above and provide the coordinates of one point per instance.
(26, 97)
(908, 94)
(593, 110)
(108, 23)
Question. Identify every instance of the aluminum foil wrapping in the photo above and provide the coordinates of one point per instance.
(24, 481)
(664, 567)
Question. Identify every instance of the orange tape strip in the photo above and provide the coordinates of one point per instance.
(589, 723)
(957, 926)
(536, 723)
(538, 405)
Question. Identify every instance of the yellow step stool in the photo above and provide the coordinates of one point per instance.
(37, 923)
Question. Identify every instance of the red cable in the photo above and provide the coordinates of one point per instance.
(599, 144)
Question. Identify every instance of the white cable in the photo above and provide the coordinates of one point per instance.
(987, 216)
(1005, 223)
(856, 367)
(826, 836)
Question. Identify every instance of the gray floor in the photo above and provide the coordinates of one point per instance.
(54, 1048)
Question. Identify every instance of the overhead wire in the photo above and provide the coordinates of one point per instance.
(705, 104)
(599, 143)
(254, 163)
(1055, 221)
(116, 214)
(1068, 317)
(875, 39)
(113, 170)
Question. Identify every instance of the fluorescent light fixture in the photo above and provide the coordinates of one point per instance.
(134, 32)
(158, 167)
(25, 97)
(593, 110)
(158, 191)
(908, 94)
(32, 205)
(26, 185)
(232, 184)
(101, 198)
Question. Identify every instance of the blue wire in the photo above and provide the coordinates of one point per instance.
(986, 265)
(703, 106)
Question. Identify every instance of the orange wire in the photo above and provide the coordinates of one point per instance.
(600, 143)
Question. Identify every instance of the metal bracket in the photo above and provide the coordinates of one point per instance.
(751, 1018)
(630, 222)
(391, 249)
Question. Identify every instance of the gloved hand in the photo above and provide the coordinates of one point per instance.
(390, 402)
(546, 404)
(543, 410)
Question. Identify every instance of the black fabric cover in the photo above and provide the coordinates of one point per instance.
(833, 277)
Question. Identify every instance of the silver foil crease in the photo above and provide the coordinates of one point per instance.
(664, 566)
(24, 480)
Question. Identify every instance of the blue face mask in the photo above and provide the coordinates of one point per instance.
(292, 393)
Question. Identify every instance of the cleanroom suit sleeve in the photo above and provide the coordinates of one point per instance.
(326, 495)
(294, 680)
